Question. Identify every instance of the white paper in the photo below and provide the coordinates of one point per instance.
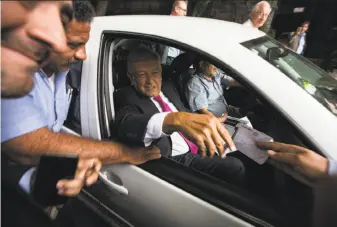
(245, 142)
(248, 123)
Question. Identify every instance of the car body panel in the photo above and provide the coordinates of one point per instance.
(160, 203)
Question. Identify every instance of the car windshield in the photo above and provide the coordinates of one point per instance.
(308, 76)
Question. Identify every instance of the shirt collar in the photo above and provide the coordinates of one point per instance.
(202, 76)
(58, 74)
(250, 22)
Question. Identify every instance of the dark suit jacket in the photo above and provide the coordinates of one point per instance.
(294, 42)
(133, 112)
(73, 120)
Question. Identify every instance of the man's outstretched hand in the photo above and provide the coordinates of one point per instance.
(311, 164)
(86, 175)
(205, 130)
(87, 169)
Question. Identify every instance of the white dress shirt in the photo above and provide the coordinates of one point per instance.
(173, 52)
(52, 82)
(249, 23)
(154, 129)
(301, 44)
(332, 171)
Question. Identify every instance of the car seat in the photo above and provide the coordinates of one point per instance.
(182, 73)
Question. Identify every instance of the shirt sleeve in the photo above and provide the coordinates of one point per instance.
(154, 129)
(25, 180)
(20, 116)
(332, 171)
(196, 95)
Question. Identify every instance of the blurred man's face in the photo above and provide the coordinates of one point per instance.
(77, 36)
(259, 18)
(207, 69)
(305, 27)
(181, 9)
(11, 8)
(29, 31)
(146, 77)
(211, 70)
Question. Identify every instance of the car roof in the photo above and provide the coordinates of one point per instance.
(202, 27)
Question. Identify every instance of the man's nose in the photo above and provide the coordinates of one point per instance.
(81, 54)
(46, 27)
(148, 80)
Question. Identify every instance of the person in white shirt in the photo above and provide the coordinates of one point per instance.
(258, 15)
(179, 8)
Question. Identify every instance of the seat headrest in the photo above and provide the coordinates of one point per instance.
(182, 62)
(120, 76)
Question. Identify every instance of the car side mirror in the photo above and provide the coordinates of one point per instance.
(274, 53)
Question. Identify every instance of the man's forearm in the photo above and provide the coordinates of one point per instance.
(43, 141)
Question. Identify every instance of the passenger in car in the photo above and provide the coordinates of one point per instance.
(205, 92)
(150, 112)
(31, 125)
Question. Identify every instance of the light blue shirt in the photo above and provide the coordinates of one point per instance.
(204, 93)
(332, 167)
(301, 44)
(44, 106)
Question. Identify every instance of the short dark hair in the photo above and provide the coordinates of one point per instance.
(141, 53)
(83, 10)
(200, 65)
(305, 22)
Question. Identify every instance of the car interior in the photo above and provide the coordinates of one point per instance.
(281, 196)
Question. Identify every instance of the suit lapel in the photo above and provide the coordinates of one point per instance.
(146, 103)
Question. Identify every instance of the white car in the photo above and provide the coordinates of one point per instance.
(299, 107)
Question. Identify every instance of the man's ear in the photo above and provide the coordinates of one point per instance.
(202, 65)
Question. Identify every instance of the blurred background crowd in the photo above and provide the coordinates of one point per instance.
(286, 17)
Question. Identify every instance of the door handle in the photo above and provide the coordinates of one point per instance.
(113, 182)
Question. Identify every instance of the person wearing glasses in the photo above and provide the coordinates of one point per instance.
(258, 15)
(179, 8)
